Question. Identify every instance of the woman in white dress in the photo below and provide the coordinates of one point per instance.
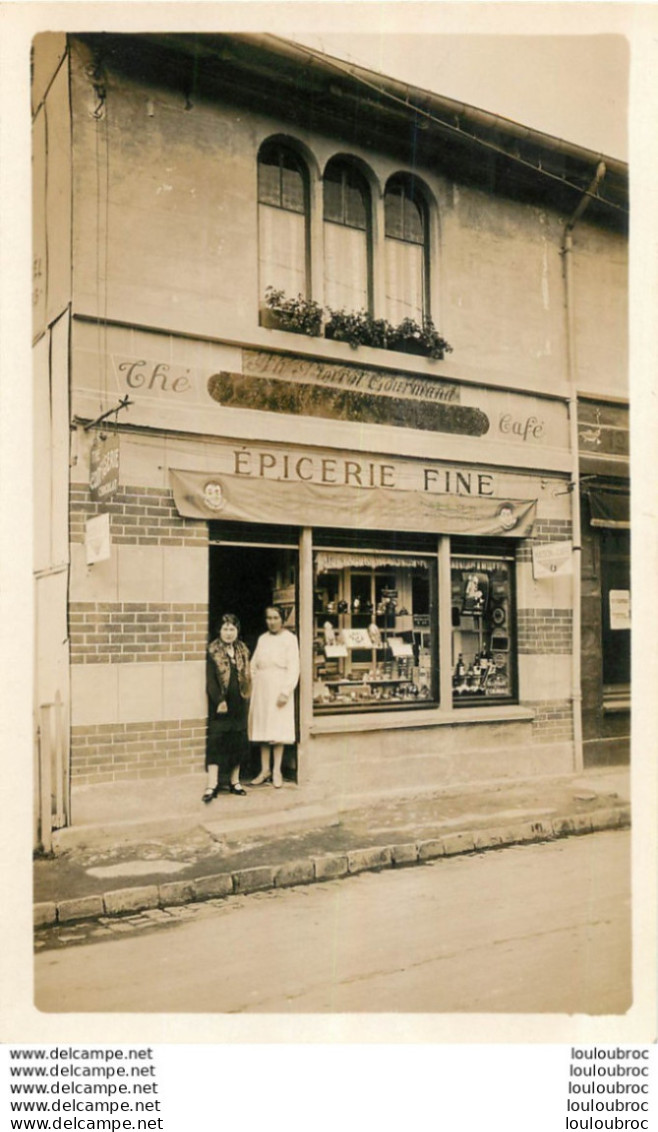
(274, 673)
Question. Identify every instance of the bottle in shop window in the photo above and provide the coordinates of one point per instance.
(459, 676)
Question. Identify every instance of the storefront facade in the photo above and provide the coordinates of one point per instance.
(435, 646)
(412, 514)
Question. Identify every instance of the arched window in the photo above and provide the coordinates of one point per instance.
(346, 238)
(283, 229)
(406, 242)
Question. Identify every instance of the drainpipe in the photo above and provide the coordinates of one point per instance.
(566, 252)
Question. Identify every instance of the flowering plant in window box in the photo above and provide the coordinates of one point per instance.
(358, 328)
(412, 338)
(298, 315)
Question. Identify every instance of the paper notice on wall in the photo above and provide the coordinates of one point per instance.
(550, 559)
(620, 609)
(97, 538)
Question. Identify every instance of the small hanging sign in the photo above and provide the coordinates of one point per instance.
(620, 609)
(104, 466)
(550, 559)
(98, 546)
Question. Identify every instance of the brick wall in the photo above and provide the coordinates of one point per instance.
(544, 530)
(105, 634)
(120, 632)
(553, 722)
(109, 752)
(146, 516)
(544, 631)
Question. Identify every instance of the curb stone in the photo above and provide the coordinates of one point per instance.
(294, 872)
(131, 899)
(210, 887)
(405, 854)
(154, 899)
(330, 867)
(375, 857)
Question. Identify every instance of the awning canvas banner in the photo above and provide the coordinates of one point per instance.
(206, 495)
(610, 508)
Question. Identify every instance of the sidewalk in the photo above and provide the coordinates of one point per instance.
(169, 849)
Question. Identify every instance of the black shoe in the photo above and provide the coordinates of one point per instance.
(209, 793)
(238, 789)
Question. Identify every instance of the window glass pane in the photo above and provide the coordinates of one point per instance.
(333, 200)
(269, 189)
(292, 190)
(282, 250)
(345, 267)
(405, 281)
(413, 222)
(375, 631)
(355, 208)
(394, 216)
(280, 179)
(483, 657)
(345, 197)
(403, 216)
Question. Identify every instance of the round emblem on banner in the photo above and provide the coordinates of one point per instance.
(506, 516)
(213, 496)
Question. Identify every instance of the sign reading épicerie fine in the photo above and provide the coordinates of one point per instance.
(104, 466)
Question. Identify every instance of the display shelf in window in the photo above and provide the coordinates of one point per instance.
(365, 654)
(483, 655)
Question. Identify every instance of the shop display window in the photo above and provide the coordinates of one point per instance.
(375, 631)
(483, 650)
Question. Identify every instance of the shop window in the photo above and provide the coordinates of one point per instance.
(346, 238)
(406, 250)
(483, 644)
(375, 631)
(283, 229)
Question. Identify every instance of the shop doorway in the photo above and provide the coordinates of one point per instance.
(244, 579)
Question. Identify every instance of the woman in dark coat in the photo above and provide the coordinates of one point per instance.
(229, 688)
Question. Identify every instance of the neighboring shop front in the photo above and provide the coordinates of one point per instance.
(606, 580)
(415, 530)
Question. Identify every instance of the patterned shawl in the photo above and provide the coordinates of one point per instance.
(222, 663)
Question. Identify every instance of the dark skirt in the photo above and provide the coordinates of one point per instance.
(225, 749)
(227, 744)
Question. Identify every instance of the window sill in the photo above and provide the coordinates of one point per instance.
(330, 348)
(373, 721)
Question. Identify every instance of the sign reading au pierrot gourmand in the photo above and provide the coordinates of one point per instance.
(285, 383)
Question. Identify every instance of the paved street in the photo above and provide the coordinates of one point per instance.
(530, 929)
